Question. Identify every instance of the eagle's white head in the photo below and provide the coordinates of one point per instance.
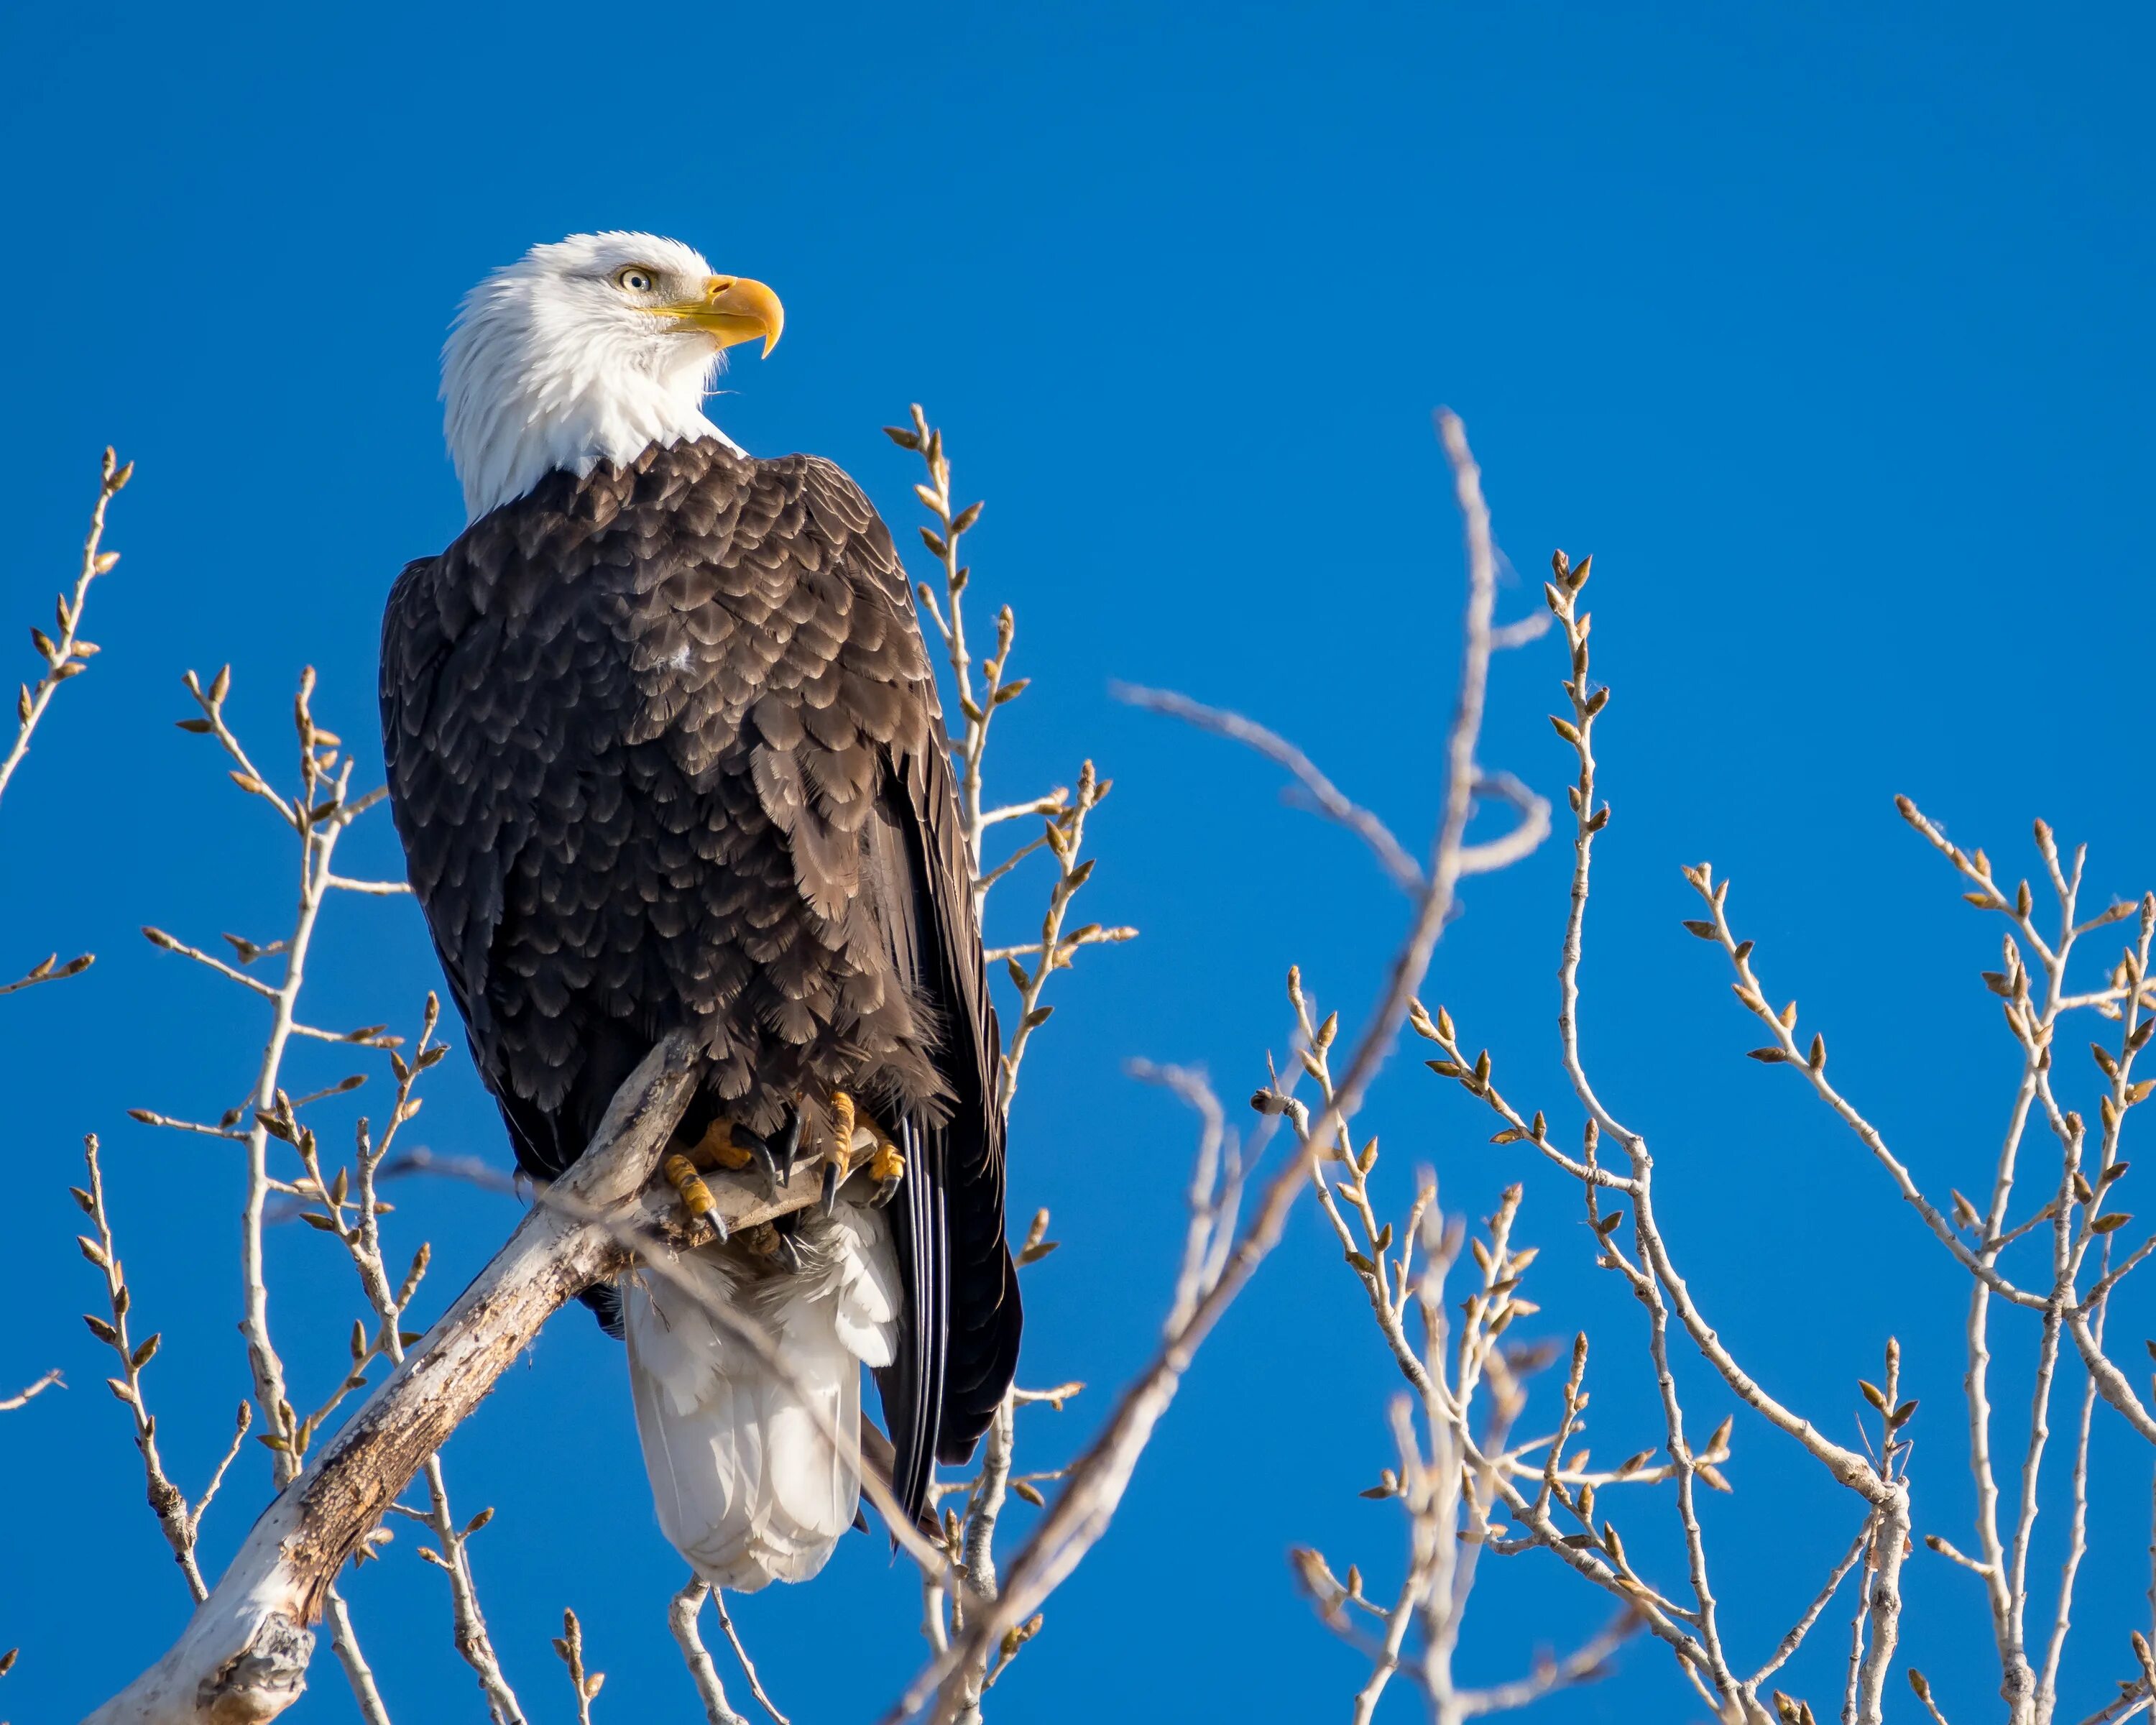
(588, 351)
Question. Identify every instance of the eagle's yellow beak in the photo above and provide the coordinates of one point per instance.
(734, 309)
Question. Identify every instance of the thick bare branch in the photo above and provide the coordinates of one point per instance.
(244, 1654)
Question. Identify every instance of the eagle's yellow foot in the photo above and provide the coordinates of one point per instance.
(773, 1244)
(886, 1166)
(696, 1198)
(717, 1148)
(858, 1144)
(729, 1144)
(839, 1154)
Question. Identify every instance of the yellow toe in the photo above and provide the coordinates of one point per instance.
(716, 1148)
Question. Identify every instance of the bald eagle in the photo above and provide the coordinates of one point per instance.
(664, 751)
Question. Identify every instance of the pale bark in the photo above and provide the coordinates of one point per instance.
(242, 1658)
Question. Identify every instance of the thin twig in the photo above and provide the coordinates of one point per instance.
(681, 1614)
(358, 1674)
(1803, 1626)
(747, 1665)
(569, 1647)
(1583, 1665)
(361, 1238)
(67, 654)
(49, 970)
(1405, 872)
(9, 1403)
(166, 1501)
(318, 814)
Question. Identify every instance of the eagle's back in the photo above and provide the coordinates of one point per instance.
(637, 726)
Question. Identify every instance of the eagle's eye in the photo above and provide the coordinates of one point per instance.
(636, 279)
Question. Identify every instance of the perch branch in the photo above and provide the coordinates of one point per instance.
(243, 1656)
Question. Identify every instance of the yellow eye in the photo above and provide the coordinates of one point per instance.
(636, 279)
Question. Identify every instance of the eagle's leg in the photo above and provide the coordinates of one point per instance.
(723, 1145)
(774, 1240)
(720, 1147)
(838, 1159)
(886, 1166)
(696, 1198)
(777, 1153)
(750, 1147)
(853, 1128)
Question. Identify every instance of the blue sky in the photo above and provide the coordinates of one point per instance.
(1824, 328)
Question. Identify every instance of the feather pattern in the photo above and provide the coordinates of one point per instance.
(665, 750)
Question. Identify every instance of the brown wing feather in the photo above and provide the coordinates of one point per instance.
(665, 749)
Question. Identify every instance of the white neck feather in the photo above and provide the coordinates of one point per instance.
(534, 379)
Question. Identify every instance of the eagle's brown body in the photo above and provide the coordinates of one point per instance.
(665, 749)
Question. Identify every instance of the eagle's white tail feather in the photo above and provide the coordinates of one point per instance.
(748, 1487)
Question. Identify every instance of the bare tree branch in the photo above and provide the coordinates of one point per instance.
(747, 1665)
(1080, 1512)
(569, 1647)
(1331, 801)
(244, 1654)
(166, 1499)
(682, 1615)
(1474, 1483)
(67, 654)
(23, 1397)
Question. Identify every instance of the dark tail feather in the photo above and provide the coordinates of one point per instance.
(604, 1299)
(912, 1384)
(982, 1359)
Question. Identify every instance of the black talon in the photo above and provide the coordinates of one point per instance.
(759, 1147)
(789, 1147)
(787, 1253)
(886, 1191)
(830, 1187)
